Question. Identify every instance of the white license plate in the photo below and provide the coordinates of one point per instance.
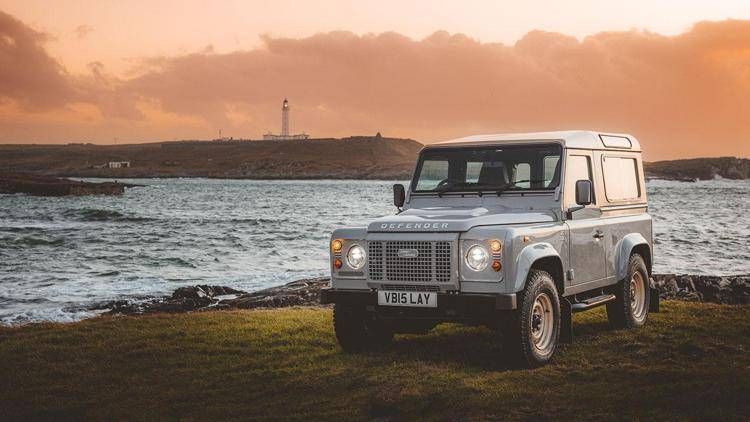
(417, 299)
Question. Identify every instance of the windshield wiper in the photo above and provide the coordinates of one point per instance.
(448, 185)
(444, 186)
(509, 185)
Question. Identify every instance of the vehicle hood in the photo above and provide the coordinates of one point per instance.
(455, 219)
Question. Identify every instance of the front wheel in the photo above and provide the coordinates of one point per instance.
(358, 331)
(630, 308)
(532, 334)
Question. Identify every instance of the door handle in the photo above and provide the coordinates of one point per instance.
(598, 234)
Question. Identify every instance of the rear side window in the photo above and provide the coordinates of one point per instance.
(620, 178)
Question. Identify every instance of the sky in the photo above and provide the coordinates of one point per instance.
(676, 74)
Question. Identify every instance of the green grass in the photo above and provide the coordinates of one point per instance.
(690, 361)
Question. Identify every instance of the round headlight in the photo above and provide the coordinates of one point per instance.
(477, 258)
(356, 257)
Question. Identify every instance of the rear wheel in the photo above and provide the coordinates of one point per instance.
(630, 308)
(356, 330)
(532, 333)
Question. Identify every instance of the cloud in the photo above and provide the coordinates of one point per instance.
(83, 31)
(28, 74)
(684, 95)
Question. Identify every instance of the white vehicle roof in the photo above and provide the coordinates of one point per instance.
(580, 139)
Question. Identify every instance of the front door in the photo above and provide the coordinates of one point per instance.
(586, 239)
(587, 254)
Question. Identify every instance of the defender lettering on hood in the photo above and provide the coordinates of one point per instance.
(414, 226)
(417, 220)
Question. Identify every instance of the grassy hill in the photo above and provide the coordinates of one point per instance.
(690, 361)
(700, 168)
(349, 158)
(362, 157)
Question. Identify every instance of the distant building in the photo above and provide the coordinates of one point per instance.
(223, 138)
(298, 137)
(285, 127)
(118, 164)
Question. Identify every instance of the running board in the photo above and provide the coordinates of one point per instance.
(592, 303)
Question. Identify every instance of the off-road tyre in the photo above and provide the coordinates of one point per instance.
(356, 330)
(531, 334)
(630, 308)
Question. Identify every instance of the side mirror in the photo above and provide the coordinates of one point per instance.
(399, 195)
(584, 192)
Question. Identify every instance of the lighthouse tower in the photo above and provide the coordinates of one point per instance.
(285, 135)
(285, 118)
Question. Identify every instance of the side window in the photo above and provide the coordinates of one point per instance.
(432, 173)
(620, 178)
(550, 165)
(578, 167)
(521, 172)
(473, 169)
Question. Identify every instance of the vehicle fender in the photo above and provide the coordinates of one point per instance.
(526, 259)
(623, 250)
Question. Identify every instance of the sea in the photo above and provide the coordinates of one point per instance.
(61, 256)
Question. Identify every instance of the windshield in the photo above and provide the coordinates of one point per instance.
(498, 169)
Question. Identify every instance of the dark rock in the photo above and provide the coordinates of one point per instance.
(725, 289)
(304, 292)
(203, 291)
(204, 297)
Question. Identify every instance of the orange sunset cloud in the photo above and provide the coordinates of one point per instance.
(683, 95)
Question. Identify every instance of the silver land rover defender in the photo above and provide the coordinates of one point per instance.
(512, 231)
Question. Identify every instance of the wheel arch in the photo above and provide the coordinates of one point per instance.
(629, 244)
(539, 256)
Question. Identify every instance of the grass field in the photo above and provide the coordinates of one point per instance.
(690, 361)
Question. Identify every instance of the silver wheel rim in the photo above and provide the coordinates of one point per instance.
(637, 296)
(542, 323)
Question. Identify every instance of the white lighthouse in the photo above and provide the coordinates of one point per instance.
(284, 127)
(285, 118)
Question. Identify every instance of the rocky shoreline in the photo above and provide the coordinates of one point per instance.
(55, 186)
(732, 290)
(305, 292)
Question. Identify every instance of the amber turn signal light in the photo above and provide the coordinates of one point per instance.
(336, 245)
(496, 265)
(337, 263)
(496, 246)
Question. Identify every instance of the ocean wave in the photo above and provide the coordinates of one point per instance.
(95, 214)
(178, 261)
(16, 229)
(92, 214)
(32, 241)
(248, 221)
(107, 273)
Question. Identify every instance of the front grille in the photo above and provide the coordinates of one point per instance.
(411, 287)
(432, 263)
(375, 251)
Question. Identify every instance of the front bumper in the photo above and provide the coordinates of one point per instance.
(449, 305)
